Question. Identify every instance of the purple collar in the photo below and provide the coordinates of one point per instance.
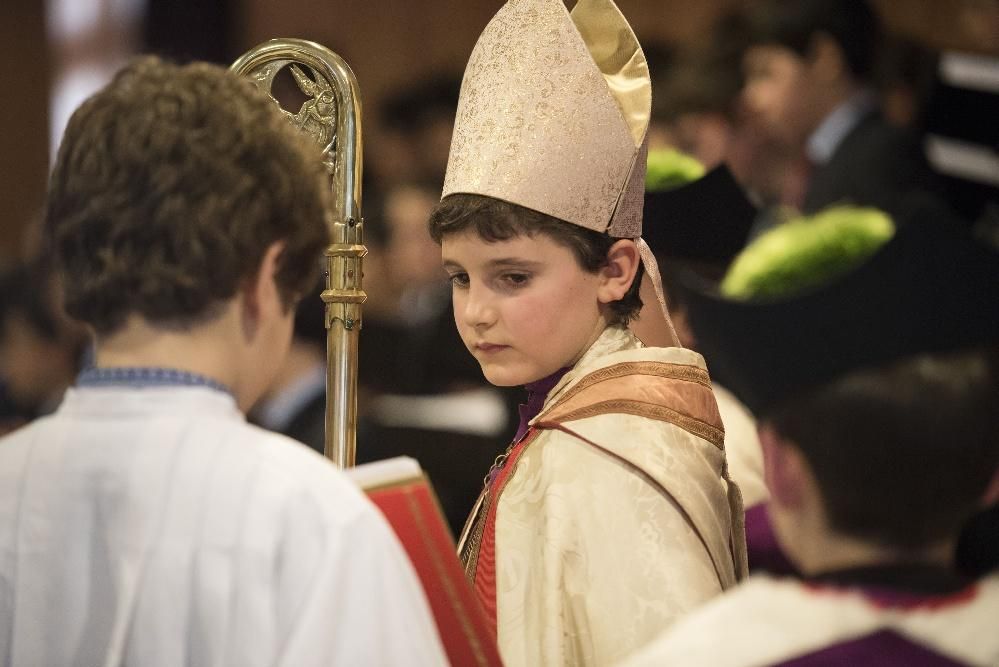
(537, 392)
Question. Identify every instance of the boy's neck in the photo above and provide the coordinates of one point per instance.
(537, 393)
(204, 349)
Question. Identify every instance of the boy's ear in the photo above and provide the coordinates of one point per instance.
(618, 273)
(261, 297)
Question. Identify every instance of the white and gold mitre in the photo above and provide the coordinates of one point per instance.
(553, 115)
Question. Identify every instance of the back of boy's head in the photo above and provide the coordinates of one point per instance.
(794, 24)
(169, 186)
(902, 453)
(494, 220)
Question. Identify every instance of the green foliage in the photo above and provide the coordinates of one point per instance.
(668, 169)
(807, 252)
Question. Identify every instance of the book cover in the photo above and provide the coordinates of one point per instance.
(405, 496)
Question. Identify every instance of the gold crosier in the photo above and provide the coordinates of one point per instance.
(332, 116)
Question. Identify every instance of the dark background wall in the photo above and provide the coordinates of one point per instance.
(24, 85)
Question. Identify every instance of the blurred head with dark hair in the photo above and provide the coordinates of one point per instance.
(697, 96)
(805, 58)
(880, 445)
(39, 349)
(698, 104)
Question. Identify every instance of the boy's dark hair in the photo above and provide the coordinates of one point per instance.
(902, 454)
(794, 24)
(169, 186)
(497, 220)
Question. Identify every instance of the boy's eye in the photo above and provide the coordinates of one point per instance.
(515, 279)
(459, 280)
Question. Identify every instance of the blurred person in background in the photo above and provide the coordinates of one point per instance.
(874, 369)
(660, 58)
(904, 77)
(810, 84)
(697, 103)
(695, 94)
(963, 144)
(828, 242)
(40, 349)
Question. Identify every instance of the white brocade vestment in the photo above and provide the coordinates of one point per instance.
(154, 526)
(742, 446)
(616, 519)
(769, 621)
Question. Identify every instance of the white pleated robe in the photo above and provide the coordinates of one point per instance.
(155, 526)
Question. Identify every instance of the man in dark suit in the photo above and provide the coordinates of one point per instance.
(808, 84)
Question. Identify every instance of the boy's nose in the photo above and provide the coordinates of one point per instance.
(477, 310)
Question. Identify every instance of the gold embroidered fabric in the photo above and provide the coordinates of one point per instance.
(553, 115)
(664, 370)
(676, 393)
(692, 425)
(593, 560)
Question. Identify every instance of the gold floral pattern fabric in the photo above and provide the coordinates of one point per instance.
(599, 548)
(539, 123)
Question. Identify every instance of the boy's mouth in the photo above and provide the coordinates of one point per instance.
(488, 348)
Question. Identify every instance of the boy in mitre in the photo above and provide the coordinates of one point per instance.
(611, 512)
(880, 430)
(145, 522)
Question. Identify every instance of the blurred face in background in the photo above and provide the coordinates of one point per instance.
(778, 94)
(414, 258)
(704, 136)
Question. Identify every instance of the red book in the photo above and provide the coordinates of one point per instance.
(404, 495)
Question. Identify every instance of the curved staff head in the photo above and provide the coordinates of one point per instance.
(332, 116)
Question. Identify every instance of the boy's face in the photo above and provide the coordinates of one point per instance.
(778, 93)
(524, 307)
